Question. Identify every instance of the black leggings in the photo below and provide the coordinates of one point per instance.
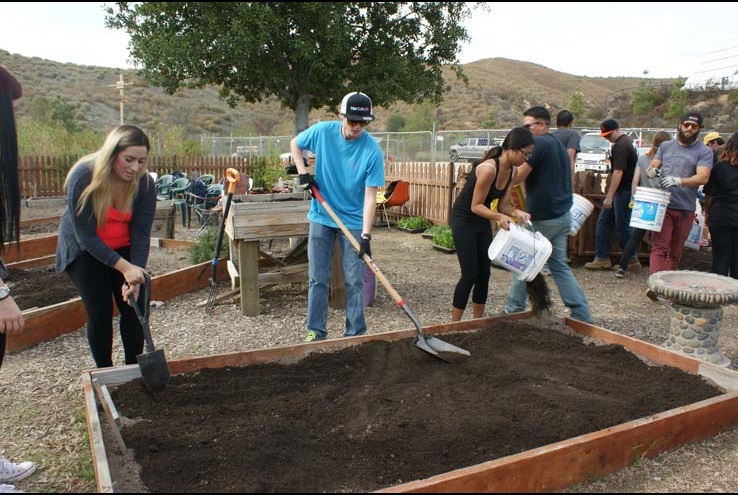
(471, 243)
(96, 282)
(724, 250)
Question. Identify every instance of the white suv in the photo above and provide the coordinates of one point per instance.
(595, 154)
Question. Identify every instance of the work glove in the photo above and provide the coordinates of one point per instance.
(670, 181)
(653, 172)
(365, 247)
(307, 180)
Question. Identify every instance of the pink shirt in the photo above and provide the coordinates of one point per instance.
(116, 231)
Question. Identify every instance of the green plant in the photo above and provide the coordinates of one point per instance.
(444, 239)
(411, 223)
(203, 249)
(435, 229)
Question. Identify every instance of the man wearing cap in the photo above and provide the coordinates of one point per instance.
(713, 141)
(548, 198)
(349, 167)
(684, 164)
(623, 159)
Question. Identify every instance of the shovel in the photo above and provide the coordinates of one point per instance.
(152, 363)
(232, 176)
(432, 345)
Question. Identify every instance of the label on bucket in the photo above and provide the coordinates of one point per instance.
(517, 258)
(645, 211)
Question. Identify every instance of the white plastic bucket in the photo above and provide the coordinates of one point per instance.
(520, 251)
(649, 208)
(581, 209)
(695, 235)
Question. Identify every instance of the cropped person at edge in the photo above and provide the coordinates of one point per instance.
(104, 237)
(349, 167)
(490, 178)
(11, 317)
(548, 188)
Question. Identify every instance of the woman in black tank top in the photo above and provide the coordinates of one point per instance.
(490, 178)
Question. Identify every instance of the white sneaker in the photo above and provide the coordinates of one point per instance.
(12, 471)
(9, 489)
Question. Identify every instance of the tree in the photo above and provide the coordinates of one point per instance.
(576, 104)
(306, 54)
(396, 123)
(644, 99)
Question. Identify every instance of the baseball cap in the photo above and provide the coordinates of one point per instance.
(607, 126)
(692, 117)
(710, 137)
(357, 106)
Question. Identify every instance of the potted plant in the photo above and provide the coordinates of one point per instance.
(433, 230)
(443, 241)
(413, 225)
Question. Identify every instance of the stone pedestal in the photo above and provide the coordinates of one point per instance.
(695, 332)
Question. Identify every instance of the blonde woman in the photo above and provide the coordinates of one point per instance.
(104, 237)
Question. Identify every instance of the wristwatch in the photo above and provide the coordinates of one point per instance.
(366, 236)
(4, 292)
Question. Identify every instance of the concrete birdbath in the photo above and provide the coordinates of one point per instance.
(696, 312)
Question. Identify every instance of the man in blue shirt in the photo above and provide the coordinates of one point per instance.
(349, 167)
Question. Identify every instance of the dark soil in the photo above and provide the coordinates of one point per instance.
(40, 287)
(380, 414)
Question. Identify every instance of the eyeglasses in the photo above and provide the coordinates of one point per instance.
(531, 124)
(362, 123)
(525, 155)
(690, 125)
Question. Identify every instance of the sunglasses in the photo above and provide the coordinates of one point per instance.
(690, 125)
(362, 123)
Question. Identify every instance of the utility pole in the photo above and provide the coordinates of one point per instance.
(121, 86)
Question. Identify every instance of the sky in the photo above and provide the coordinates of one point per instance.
(595, 39)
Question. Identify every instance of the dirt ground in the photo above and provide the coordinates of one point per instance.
(40, 389)
(384, 413)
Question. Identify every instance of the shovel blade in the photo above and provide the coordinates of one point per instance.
(154, 370)
(441, 349)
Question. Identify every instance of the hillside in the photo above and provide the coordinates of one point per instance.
(498, 87)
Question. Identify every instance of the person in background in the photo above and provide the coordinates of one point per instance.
(721, 206)
(104, 236)
(615, 209)
(713, 141)
(547, 178)
(490, 178)
(11, 317)
(640, 179)
(569, 138)
(349, 167)
(684, 164)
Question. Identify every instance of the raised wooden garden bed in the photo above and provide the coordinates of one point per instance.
(546, 468)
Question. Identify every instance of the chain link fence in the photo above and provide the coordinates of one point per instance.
(420, 146)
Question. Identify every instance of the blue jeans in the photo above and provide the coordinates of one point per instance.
(555, 230)
(320, 252)
(619, 215)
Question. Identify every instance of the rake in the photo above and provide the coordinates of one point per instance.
(232, 176)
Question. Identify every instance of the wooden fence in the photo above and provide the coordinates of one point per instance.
(433, 187)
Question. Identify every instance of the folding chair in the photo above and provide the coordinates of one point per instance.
(398, 194)
(207, 208)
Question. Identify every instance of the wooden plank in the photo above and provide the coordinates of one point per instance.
(110, 412)
(42, 261)
(97, 443)
(248, 263)
(39, 221)
(30, 248)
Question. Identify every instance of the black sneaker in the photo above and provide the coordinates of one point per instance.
(620, 273)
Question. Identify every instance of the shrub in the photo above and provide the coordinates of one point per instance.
(435, 229)
(204, 248)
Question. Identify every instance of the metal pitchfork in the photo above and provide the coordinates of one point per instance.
(432, 345)
(232, 176)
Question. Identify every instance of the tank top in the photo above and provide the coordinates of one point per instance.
(116, 231)
(461, 211)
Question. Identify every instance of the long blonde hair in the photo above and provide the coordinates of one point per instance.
(100, 190)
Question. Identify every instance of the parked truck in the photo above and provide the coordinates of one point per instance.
(470, 149)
